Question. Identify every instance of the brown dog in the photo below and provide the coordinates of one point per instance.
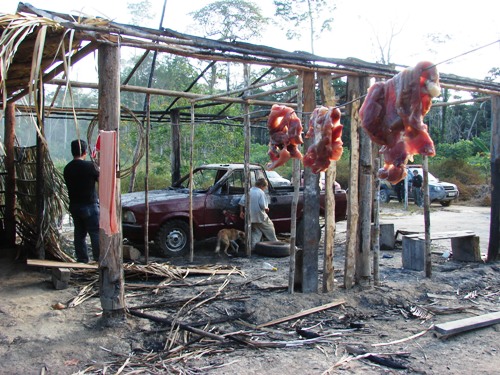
(228, 237)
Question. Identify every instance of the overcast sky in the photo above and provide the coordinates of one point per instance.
(356, 25)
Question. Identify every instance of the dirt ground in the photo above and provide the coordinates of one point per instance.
(393, 320)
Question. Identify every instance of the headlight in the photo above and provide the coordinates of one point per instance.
(128, 217)
(435, 188)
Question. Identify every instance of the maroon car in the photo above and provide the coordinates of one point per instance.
(217, 189)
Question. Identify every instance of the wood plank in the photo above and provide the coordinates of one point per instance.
(467, 324)
(53, 263)
(446, 235)
(302, 313)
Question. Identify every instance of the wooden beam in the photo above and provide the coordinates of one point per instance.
(56, 264)
(468, 324)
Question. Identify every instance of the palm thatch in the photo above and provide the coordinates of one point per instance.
(55, 203)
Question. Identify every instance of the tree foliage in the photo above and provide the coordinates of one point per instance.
(231, 20)
(317, 14)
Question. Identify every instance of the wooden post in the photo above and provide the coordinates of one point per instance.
(40, 180)
(191, 157)
(310, 218)
(363, 264)
(175, 155)
(356, 88)
(494, 244)
(295, 200)
(376, 223)
(111, 279)
(427, 216)
(328, 99)
(248, 136)
(147, 101)
(10, 178)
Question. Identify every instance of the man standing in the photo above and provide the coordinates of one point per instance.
(261, 223)
(416, 184)
(80, 177)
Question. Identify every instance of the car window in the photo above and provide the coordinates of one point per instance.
(203, 179)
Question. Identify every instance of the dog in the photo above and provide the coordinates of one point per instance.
(228, 237)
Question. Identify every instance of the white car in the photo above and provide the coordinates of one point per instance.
(276, 180)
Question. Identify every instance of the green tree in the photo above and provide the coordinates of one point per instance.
(230, 20)
(317, 13)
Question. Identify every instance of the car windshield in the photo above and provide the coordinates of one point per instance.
(421, 173)
(272, 174)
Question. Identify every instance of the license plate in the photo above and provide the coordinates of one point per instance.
(451, 194)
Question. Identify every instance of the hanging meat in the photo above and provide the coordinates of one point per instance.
(392, 115)
(285, 132)
(326, 131)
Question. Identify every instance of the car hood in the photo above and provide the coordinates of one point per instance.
(138, 198)
(447, 184)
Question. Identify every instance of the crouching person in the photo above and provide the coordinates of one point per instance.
(261, 224)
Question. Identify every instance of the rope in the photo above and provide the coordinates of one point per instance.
(463, 54)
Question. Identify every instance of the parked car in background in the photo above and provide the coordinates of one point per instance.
(276, 179)
(439, 191)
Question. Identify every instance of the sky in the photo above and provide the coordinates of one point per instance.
(357, 24)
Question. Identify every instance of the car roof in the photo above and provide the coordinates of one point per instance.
(229, 166)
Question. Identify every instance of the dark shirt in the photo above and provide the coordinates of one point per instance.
(416, 181)
(80, 177)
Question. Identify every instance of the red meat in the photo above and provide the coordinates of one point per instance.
(326, 130)
(392, 115)
(285, 132)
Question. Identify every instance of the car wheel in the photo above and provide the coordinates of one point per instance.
(173, 238)
(299, 235)
(384, 196)
(275, 249)
(445, 203)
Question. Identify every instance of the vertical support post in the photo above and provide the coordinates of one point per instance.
(40, 181)
(246, 156)
(175, 156)
(356, 88)
(494, 244)
(10, 180)
(111, 279)
(427, 216)
(191, 157)
(295, 199)
(310, 218)
(147, 101)
(363, 263)
(376, 225)
(328, 98)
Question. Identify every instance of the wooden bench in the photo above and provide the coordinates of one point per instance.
(464, 246)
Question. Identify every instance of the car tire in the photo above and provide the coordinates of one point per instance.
(445, 203)
(274, 249)
(173, 238)
(384, 196)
